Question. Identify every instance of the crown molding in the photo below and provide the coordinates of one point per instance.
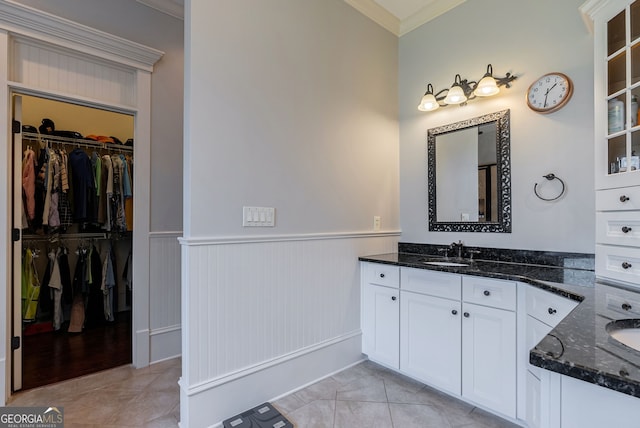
(35, 24)
(377, 13)
(386, 19)
(174, 8)
(431, 11)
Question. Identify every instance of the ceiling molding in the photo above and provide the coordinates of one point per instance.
(377, 13)
(431, 11)
(174, 8)
(35, 24)
(380, 15)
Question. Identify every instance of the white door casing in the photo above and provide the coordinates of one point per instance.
(48, 56)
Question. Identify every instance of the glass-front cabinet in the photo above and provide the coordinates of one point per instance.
(616, 27)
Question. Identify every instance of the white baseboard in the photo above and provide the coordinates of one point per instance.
(206, 405)
(165, 343)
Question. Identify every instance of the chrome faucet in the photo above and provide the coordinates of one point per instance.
(458, 246)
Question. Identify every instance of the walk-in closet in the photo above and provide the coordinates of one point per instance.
(73, 205)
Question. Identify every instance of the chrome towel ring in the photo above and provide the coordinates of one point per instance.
(549, 177)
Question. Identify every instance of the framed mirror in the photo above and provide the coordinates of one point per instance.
(469, 175)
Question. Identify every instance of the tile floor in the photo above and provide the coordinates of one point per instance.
(120, 397)
(366, 395)
(371, 396)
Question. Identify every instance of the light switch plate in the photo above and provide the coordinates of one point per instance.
(258, 216)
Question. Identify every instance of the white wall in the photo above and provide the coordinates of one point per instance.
(292, 105)
(523, 38)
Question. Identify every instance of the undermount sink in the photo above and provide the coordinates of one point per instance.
(451, 264)
(626, 332)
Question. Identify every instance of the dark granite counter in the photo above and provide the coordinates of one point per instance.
(579, 346)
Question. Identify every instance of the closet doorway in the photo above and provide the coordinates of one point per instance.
(72, 265)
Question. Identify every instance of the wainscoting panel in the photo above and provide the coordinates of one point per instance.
(164, 295)
(37, 65)
(253, 304)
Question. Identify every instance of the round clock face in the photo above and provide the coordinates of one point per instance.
(549, 93)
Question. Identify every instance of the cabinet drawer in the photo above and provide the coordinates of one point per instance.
(622, 303)
(382, 274)
(618, 263)
(548, 307)
(489, 292)
(439, 284)
(618, 228)
(622, 199)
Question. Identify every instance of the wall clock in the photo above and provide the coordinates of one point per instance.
(549, 93)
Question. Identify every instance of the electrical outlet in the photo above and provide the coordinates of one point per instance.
(376, 222)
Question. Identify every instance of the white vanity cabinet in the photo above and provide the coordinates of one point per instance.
(489, 343)
(544, 311)
(430, 334)
(381, 313)
(455, 332)
(616, 29)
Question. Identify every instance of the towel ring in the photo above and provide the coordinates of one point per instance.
(549, 177)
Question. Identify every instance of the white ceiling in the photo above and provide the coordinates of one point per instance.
(397, 16)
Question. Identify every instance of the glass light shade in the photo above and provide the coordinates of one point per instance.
(487, 87)
(428, 103)
(455, 95)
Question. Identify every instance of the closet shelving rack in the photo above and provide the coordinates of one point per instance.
(76, 142)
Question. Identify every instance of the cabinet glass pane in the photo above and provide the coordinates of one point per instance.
(616, 73)
(635, 64)
(616, 114)
(635, 20)
(615, 33)
(617, 150)
(635, 151)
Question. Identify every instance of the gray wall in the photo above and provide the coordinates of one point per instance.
(291, 105)
(134, 21)
(522, 38)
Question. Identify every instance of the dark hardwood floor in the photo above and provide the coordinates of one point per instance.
(55, 356)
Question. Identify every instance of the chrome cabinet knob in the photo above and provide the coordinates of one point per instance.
(466, 314)
(381, 275)
(487, 293)
(454, 312)
(393, 298)
(624, 198)
(551, 311)
(626, 229)
(626, 306)
(626, 265)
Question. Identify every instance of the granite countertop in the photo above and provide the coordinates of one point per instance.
(579, 346)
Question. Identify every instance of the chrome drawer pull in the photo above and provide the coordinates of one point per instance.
(626, 229)
(626, 265)
(551, 311)
(624, 198)
(626, 306)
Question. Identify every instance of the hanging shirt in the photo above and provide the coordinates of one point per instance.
(29, 182)
(83, 182)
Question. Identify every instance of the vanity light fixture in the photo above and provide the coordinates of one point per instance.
(463, 90)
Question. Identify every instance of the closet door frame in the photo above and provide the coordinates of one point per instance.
(127, 66)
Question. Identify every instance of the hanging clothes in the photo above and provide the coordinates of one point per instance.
(29, 183)
(65, 276)
(30, 286)
(94, 297)
(55, 286)
(64, 206)
(76, 323)
(108, 284)
(83, 182)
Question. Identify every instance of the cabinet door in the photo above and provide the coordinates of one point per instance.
(489, 357)
(430, 340)
(381, 325)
